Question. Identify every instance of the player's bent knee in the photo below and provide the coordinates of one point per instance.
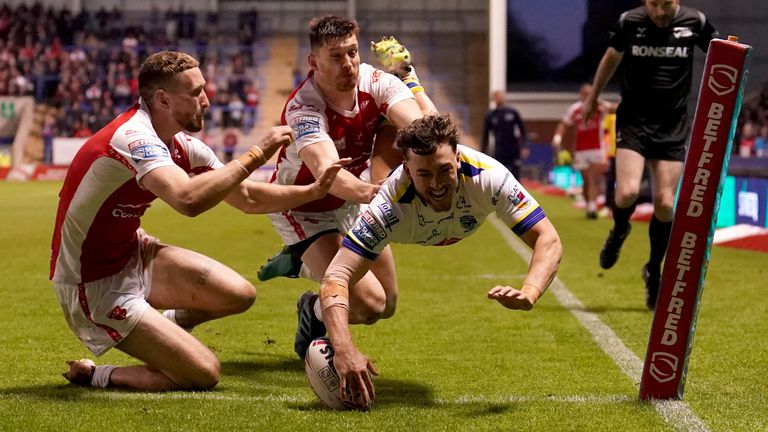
(371, 313)
(242, 297)
(389, 308)
(205, 376)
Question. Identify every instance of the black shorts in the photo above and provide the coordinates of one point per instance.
(664, 138)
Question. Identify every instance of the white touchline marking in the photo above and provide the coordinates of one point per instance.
(235, 397)
(676, 413)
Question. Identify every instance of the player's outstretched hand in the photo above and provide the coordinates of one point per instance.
(274, 139)
(393, 56)
(355, 370)
(511, 298)
(323, 184)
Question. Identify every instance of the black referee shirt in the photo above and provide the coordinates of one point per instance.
(657, 63)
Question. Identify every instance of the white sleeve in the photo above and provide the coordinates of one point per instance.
(568, 117)
(387, 89)
(143, 151)
(201, 157)
(309, 126)
(514, 205)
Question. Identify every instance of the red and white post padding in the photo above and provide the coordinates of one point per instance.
(682, 281)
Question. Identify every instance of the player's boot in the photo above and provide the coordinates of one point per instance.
(610, 252)
(393, 56)
(285, 263)
(310, 328)
(652, 283)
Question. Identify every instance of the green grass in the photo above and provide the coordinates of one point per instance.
(449, 360)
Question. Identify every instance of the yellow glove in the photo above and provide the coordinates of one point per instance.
(392, 55)
(563, 157)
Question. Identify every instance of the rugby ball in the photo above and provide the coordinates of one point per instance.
(322, 376)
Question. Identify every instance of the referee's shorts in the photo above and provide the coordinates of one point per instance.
(664, 138)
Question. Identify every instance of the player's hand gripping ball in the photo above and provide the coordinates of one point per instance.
(322, 376)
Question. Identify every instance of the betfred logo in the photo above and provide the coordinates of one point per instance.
(663, 366)
(722, 79)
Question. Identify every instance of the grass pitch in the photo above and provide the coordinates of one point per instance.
(449, 359)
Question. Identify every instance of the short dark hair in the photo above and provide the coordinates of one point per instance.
(330, 28)
(424, 135)
(158, 70)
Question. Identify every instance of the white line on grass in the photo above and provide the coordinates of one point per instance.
(676, 413)
(234, 397)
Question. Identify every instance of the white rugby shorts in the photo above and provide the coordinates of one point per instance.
(293, 226)
(103, 312)
(582, 159)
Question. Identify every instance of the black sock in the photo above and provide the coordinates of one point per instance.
(658, 232)
(621, 218)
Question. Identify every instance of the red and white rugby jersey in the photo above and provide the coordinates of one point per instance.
(101, 202)
(314, 120)
(589, 136)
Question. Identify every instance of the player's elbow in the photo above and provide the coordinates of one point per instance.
(190, 205)
(189, 209)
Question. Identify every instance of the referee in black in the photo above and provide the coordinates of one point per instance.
(654, 43)
(509, 136)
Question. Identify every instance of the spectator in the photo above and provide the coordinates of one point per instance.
(229, 143)
(747, 141)
(509, 136)
(761, 142)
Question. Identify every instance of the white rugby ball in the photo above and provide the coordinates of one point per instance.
(322, 376)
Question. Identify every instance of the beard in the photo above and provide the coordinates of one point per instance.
(192, 123)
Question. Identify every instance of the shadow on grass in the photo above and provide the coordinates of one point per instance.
(389, 393)
(262, 363)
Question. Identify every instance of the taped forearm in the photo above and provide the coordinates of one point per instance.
(334, 293)
(251, 160)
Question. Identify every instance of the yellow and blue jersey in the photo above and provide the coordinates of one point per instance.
(398, 215)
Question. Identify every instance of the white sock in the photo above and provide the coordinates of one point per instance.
(591, 206)
(306, 273)
(101, 375)
(318, 311)
(170, 315)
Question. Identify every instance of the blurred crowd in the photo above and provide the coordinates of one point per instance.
(86, 66)
(753, 126)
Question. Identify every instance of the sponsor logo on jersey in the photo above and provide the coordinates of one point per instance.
(146, 149)
(295, 106)
(682, 32)
(371, 221)
(497, 192)
(389, 215)
(722, 79)
(660, 52)
(126, 211)
(517, 198)
(640, 32)
(468, 223)
(390, 92)
(366, 234)
(303, 126)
